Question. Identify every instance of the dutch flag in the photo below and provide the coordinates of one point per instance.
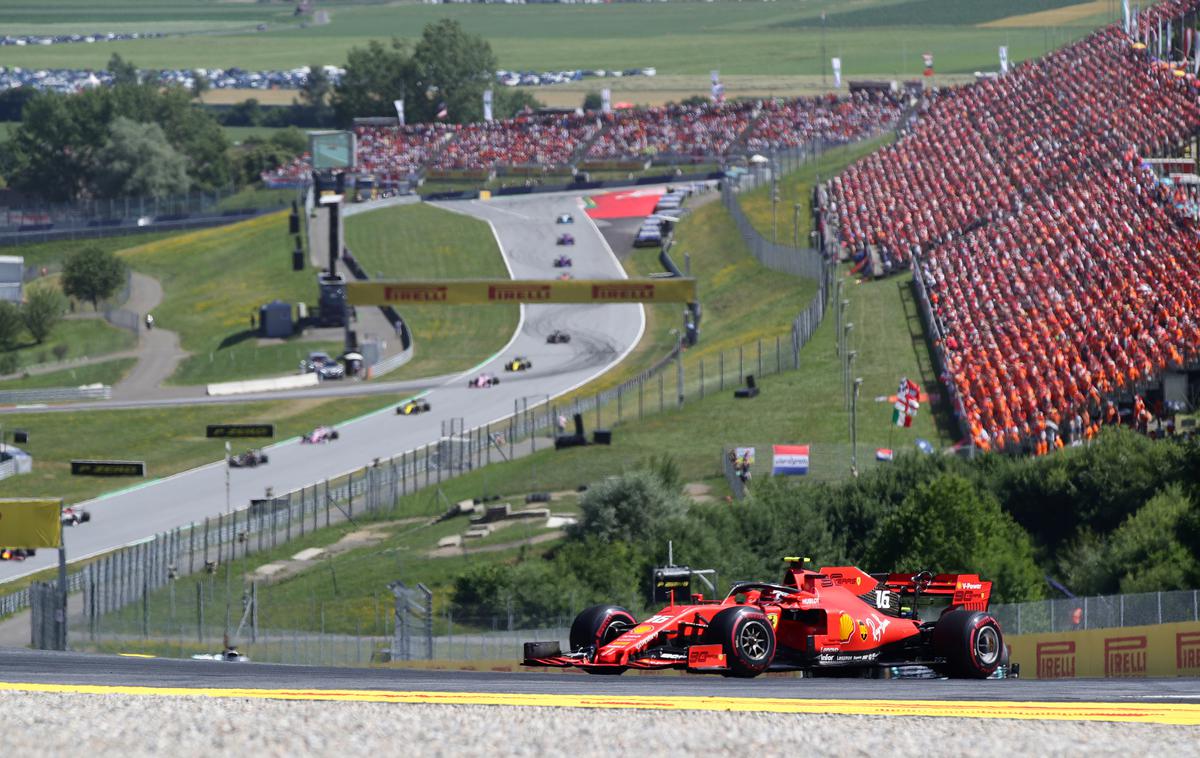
(790, 460)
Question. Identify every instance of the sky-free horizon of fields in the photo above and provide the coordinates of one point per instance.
(782, 38)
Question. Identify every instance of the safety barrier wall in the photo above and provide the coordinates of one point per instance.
(54, 394)
(1160, 650)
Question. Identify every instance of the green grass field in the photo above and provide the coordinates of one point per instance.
(108, 372)
(83, 338)
(168, 440)
(213, 280)
(420, 241)
(871, 36)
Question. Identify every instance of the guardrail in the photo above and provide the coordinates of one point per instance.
(54, 394)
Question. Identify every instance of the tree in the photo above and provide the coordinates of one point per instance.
(510, 102)
(317, 86)
(375, 76)
(44, 308)
(593, 102)
(10, 325)
(138, 161)
(453, 67)
(200, 84)
(123, 71)
(55, 151)
(949, 525)
(93, 274)
(635, 507)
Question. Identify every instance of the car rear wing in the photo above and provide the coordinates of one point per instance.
(966, 591)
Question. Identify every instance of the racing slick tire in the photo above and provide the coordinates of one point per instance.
(334, 435)
(85, 517)
(597, 626)
(747, 638)
(971, 643)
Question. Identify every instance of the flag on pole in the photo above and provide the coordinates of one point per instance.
(1003, 59)
(789, 460)
(399, 110)
(837, 72)
(442, 111)
(1167, 42)
(606, 100)
(908, 401)
(487, 105)
(1125, 15)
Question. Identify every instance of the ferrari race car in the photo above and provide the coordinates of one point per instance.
(518, 363)
(16, 554)
(319, 435)
(563, 261)
(566, 239)
(835, 618)
(72, 516)
(413, 407)
(558, 337)
(483, 380)
(565, 218)
(248, 459)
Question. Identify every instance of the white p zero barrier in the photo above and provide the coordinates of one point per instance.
(298, 381)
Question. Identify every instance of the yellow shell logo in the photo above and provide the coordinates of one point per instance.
(642, 628)
(846, 626)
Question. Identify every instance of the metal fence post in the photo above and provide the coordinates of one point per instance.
(641, 391)
(327, 504)
(660, 393)
(741, 366)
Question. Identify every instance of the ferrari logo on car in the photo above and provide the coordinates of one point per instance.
(774, 619)
(862, 631)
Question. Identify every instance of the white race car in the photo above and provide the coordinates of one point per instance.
(72, 516)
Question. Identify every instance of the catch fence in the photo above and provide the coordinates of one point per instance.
(1098, 612)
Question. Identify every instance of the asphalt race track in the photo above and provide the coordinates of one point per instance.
(526, 231)
(1163, 701)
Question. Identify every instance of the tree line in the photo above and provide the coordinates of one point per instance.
(1118, 516)
(139, 138)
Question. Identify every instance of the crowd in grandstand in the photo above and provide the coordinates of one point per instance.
(1060, 271)
(695, 133)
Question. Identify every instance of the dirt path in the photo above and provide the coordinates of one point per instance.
(158, 351)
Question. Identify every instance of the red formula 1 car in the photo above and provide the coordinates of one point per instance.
(832, 619)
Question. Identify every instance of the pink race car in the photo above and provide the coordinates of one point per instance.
(483, 380)
(320, 435)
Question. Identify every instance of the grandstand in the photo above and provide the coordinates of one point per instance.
(562, 143)
(1060, 271)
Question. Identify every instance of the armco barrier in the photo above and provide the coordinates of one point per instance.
(55, 395)
(1161, 650)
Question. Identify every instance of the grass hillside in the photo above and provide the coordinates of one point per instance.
(213, 281)
(423, 242)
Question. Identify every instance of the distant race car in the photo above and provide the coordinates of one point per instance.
(248, 459)
(413, 407)
(484, 380)
(558, 337)
(15, 554)
(837, 618)
(323, 366)
(228, 656)
(565, 218)
(563, 261)
(320, 435)
(566, 239)
(519, 363)
(72, 516)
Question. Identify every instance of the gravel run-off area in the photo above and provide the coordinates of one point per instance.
(136, 725)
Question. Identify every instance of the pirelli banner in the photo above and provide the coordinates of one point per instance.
(534, 291)
(1130, 651)
(30, 523)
